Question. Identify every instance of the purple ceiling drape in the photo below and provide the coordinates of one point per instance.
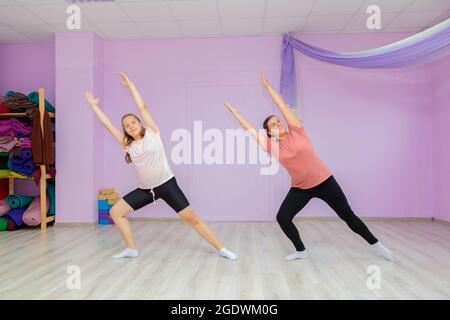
(426, 46)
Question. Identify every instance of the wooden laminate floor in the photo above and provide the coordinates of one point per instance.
(175, 263)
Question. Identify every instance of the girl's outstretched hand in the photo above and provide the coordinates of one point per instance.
(90, 98)
(125, 80)
(264, 81)
(229, 107)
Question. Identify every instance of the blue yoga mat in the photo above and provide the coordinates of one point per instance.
(17, 201)
(17, 160)
(17, 215)
(27, 168)
(27, 154)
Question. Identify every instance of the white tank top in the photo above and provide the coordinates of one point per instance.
(150, 160)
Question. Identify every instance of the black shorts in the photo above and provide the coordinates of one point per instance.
(169, 191)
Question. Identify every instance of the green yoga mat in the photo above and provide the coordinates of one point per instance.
(51, 194)
(34, 97)
(15, 201)
(4, 161)
(3, 224)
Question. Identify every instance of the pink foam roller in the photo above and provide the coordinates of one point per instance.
(4, 207)
(32, 216)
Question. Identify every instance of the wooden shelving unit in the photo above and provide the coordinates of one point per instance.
(20, 115)
(44, 175)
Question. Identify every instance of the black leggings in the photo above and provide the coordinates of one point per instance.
(330, 192)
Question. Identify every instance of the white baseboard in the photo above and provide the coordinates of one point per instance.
(299, 218)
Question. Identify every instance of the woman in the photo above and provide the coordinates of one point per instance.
(311, 178)
(144, 148)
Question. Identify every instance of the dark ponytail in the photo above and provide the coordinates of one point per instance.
(266, 124)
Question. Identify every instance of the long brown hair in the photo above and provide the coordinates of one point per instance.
(266, 124)
(127, 140)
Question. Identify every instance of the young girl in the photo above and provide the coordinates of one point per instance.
(311, 178)
(144, 149)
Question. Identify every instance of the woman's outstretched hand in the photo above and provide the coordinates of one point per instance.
(90, 98)
(125, 80)
(229, 107)
(264, 81)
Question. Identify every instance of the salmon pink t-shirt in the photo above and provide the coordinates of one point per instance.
(298, 157)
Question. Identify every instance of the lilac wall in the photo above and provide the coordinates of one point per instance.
(25, 67)
(97, 89)
(373, 128)
(441, 134)
(79, 144)
(187, 80)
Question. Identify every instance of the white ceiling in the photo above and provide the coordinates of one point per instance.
(38, 20)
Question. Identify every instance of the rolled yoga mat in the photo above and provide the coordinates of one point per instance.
(21, 169)
(7, 143)
(16, 201)
(25, 143)
(12, 225)
(11, 174)
(29, 167)
(32, 215)
(51, 194)
(34, 97)
(26, 168)
(17, 160)
(22, 163)
(4, 162)
(4, 173)
(16, 215)
(27, 154)
(4, 190)
(4, 207)
(3, 224)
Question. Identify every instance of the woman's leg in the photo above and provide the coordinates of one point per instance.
(189, 216)
(171, 193)
(132, 201)
(118, 213)
(295, 200)
(330, 192)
